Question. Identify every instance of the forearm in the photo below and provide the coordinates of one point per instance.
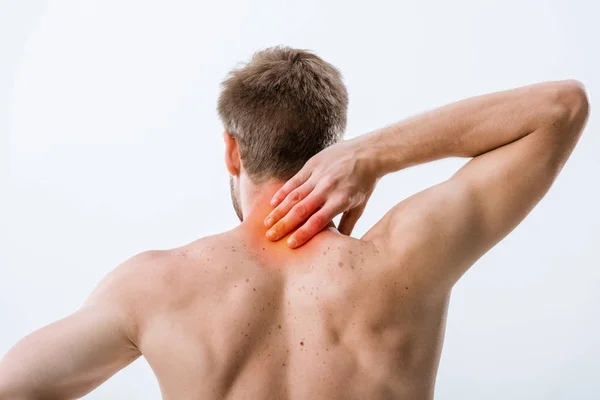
(466, 128)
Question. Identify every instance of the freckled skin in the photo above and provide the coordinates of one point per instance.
(234, 316)
(329, 320)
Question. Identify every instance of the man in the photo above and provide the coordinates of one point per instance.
(293, 308)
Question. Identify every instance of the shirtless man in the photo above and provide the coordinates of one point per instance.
(240, 315)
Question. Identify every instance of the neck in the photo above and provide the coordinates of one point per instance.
(255, 202)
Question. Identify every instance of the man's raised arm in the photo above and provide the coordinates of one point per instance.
(72, 356)
(519, 140)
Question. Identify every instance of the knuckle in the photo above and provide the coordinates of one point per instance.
(295, 181)
(295, 196)
(318, 220)
(328, 181)
(343, 199)
(286, 189)
(300, 210)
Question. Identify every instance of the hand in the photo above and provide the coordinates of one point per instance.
(339, 179)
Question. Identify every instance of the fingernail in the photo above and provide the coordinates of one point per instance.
(268, 221)
(292, 242)
(273, 201)
(271, 234)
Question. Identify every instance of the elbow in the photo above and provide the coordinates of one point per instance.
(571, 103)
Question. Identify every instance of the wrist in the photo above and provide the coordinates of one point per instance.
(370, 154)
(384, 151)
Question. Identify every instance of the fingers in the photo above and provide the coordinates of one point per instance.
(349, 219)
(293, 198)
(314, 225)
(293, 212)
(294, 182)
(351, 216)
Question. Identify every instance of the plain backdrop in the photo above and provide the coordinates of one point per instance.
(113, 146)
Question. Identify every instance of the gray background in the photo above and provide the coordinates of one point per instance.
(108, 123)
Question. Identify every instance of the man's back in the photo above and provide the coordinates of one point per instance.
(332, 322)
(242, 315)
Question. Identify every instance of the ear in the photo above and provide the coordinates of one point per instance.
(232, 154)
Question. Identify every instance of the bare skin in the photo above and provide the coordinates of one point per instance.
(240, 315)
(331, 322)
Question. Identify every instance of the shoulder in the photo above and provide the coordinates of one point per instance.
(129, 279)
(121, 292)
(149, 283)
(154, 274)
(150, 268)
(148, 277)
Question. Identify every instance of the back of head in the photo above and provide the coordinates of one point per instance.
(284, 106)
